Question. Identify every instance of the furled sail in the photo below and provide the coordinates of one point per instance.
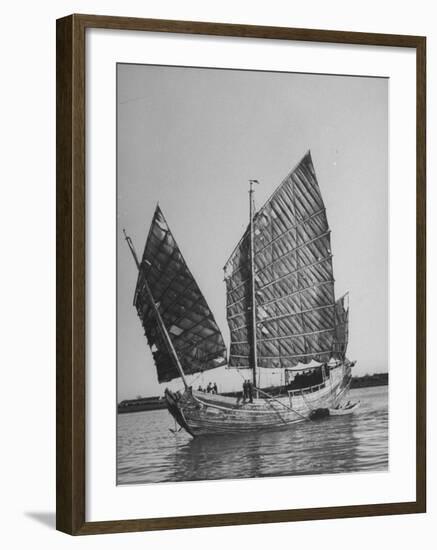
(189, 322)
(294, 282)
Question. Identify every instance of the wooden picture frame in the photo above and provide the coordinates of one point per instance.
(71, 247)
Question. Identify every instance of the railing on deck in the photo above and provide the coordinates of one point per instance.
(308, 389)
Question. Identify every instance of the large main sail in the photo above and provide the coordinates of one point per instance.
(190, 324)
(296, 313)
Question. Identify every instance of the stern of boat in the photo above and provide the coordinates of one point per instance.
(343, 385)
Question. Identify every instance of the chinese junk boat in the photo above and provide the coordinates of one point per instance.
(281, 311)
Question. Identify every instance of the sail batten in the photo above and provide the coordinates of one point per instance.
(297, 317)
(290, 336)
(286, 315)
(189, 322)
(301, 246)
(277, 280)
(298, 292)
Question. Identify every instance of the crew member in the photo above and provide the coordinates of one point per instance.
(244, 391)
(250, 391)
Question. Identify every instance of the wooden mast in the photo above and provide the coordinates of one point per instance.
(254, 349)
(161, 324)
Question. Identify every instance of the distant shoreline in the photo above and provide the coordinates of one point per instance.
(142, 404)
(156, 402)
(370, 380)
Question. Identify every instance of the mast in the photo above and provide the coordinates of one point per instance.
(161, 324)
(132, 248)
(254, 349)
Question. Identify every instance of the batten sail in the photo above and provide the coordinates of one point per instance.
(294, 282)
(189, 321)
(341, 327)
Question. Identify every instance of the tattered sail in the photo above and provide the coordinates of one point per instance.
(294, 282)
(189, 322)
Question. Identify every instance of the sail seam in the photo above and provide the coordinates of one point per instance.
(286, 315)
(301, 290)
(306, 243)
(239, 268)
(284, 356)
(289, 336)
(187, 345)
(296, 335)
(306, 266)
(290, 229)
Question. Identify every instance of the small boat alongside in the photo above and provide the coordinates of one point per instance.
(339, 410)
(348, 408)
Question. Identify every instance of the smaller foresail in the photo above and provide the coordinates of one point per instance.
(341, 337)
(190, 323)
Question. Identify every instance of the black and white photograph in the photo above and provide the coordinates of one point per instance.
(252, 274)
(219, 247)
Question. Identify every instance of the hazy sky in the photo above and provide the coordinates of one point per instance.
(191, 138)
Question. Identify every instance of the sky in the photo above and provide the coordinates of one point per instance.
(191, 138)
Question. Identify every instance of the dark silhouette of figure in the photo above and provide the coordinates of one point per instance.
(245, 391)
(250, 391)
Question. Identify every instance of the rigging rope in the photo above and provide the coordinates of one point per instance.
(281, 403)
(305, 401)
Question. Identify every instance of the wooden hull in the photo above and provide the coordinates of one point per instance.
(201, 413)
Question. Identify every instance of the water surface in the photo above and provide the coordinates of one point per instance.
(148, 452)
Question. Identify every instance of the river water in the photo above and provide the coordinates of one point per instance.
(148, 452)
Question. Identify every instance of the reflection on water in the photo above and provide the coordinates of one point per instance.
(147, 451)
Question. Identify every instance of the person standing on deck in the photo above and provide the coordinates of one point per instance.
(250, 391)
(244, 391)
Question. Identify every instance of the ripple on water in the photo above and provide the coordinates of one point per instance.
(148, 452)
